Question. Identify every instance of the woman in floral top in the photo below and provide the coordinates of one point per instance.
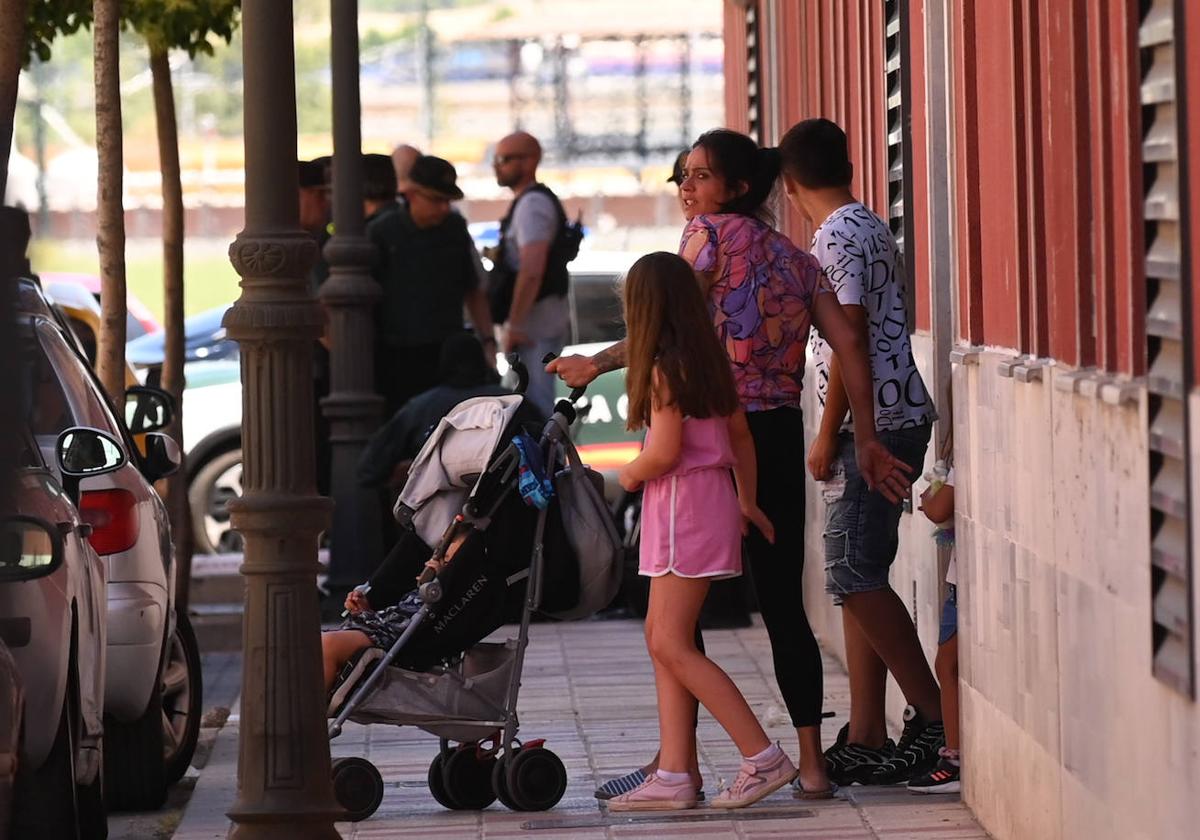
(760, 294)
(764, 294)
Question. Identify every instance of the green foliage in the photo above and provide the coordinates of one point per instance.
(188, 25)
(50, 18)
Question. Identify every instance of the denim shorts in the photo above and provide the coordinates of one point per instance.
(949, 623)
(861, 526)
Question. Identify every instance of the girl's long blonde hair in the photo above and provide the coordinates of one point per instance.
(669, 328)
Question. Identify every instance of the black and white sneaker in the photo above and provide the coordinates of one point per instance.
(849, 763)
(944, 778)
(916, 754)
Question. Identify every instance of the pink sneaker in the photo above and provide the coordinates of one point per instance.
(656, 794)
(754, 783)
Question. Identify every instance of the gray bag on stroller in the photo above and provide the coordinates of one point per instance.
(592, 534)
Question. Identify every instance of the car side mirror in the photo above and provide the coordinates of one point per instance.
(148, 409)
(29, 548)
(162, 456)
(84, 452)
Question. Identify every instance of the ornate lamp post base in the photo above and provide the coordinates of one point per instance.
(284, 785)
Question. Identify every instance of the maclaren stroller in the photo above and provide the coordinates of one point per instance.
(515, 524)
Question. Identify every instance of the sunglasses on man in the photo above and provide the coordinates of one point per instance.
(501, 160)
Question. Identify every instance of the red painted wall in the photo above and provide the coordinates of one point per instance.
(968, 267)
(1048, 179)
(1064, 122)
(1192, 245)
(830, 64)
(918, 246)
(1046, 140)
(737, 97)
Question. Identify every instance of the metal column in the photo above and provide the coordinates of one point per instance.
(284, 788)
(349, 295)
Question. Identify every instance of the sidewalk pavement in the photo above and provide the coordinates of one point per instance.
(588, 689)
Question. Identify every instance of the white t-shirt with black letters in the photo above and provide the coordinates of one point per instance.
(858, 254)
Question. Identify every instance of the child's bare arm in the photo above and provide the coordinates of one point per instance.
(938, 507)
(662, 447)
(745, 468)
(745, 476)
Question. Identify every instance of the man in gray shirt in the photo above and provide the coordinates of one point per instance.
(536, 317)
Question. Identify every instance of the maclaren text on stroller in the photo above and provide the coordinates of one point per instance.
(438, 675)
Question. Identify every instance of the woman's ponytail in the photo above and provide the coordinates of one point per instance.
(767, 165)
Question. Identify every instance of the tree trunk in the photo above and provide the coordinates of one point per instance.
(172, 373)
(12, 50)
(110, 212)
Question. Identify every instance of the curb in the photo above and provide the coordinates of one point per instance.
(204, 818)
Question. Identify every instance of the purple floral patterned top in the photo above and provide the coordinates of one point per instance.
(761, 299)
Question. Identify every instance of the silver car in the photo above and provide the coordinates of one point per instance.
(152, 698)
(53, 620)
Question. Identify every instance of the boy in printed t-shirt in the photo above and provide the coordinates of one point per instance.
(860, 258)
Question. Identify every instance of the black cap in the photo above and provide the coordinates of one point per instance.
(677, 171)
(379, 178)
(314, 173)
(435, 175)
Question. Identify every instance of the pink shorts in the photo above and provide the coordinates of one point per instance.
(691, 526)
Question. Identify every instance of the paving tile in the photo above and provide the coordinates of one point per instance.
(588, 689)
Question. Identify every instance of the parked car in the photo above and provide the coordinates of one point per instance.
(80, 311)
(204, 340)
(12, 706)
(212, 421)
(139, 320)
(212, 439)
(53, 619)
(152, 695)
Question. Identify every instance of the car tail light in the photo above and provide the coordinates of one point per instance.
(113, 517)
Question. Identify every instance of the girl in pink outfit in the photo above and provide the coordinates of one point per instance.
(694, 514)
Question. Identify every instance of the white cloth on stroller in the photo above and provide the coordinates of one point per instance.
(451, 460)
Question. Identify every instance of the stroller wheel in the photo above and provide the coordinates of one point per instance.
(357, 786)
(437, 782)
(500, 785)
(468, 779)
(536, 779)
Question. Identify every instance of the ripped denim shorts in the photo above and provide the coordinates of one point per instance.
(861, 526)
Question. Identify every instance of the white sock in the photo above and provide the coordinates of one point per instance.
(672, 778)
(769, 754)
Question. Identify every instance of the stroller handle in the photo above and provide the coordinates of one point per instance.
(514, 362)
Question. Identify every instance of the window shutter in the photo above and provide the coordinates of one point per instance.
(1168, 351)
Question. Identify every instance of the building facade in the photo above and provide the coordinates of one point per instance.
(1040, 162)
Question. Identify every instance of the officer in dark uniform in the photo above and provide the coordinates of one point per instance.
(429, 270)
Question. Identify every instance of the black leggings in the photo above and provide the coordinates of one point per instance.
(778, 570)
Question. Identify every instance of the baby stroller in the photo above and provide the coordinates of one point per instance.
(468, 481)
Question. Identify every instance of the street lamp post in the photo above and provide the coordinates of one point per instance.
(349, 296)
(284, 787)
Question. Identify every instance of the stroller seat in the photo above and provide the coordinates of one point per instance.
(486, 558)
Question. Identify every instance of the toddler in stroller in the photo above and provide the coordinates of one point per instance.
(517, 526)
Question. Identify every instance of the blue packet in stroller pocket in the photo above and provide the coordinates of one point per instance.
(534, 485)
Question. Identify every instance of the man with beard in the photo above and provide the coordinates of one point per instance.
(529, 281)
